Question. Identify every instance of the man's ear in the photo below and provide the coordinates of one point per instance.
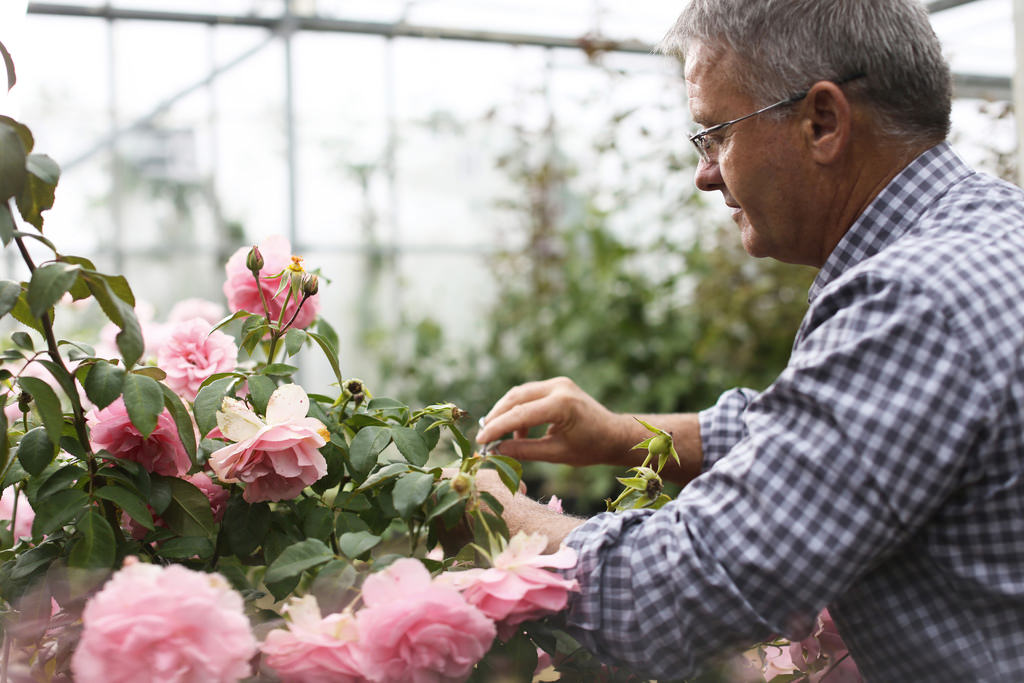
(828, 120)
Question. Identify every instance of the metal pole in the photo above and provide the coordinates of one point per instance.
(1018, 85)
(287, 31)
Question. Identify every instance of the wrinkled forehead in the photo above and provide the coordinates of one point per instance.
(711, 74)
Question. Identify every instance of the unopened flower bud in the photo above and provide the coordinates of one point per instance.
(25, 402)
(654, 487)
(659, 445)
(461, 483)
(254, 261)
(310, 284)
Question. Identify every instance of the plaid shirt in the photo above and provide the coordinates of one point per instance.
(881, 475)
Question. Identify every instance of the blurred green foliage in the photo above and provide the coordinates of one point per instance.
(646, 318)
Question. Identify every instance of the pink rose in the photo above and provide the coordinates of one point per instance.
(243, 294)
(217, 495)
(415, 629)
(22, 525)
(315, 649)
(777, 662)
(161, 452)
(276, 459)
(518, 588)
(164, 624)
(192, 353)
(555, 504)
(186, 309)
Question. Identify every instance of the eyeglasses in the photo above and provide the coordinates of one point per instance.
(707, 146)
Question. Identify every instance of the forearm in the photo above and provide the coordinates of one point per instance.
(685, 431)
(527, 515)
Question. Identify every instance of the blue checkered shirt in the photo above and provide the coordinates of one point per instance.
(881, 475)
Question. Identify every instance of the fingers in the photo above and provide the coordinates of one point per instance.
(523, 407)
(519, 418)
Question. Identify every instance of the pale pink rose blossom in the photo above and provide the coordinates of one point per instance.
(275, 459)
(822, 656)
(217, 495)
(161, 452)
(165, 625)
(413, 629)
(243, 295)
(777, 662)
(519, 586)
(23, 524)
(315, 649)
(186, 309)
(192, 353)
(555, 504)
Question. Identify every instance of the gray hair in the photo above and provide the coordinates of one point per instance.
(787, 45)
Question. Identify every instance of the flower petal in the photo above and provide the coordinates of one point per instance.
(236, 421)
(288, 402)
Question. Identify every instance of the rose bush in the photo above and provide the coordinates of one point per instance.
(187, 511)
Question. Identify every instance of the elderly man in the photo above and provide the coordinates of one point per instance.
(882, 473)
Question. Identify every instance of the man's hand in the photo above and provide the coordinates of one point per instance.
(581, 431)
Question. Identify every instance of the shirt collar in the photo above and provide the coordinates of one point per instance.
(896, 208)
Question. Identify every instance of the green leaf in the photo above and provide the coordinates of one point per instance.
(411, 445)
(297, 558)
(7, 226)
(145, 402)
(330, 351)
(294, 338)
(333, 585)
(39, 557)
(245, 526)
(120, 312)
(12, 163)
(96, 547)
(208, 402)
(57, 510)
(48, 405)
(48, 284)
(189, 512)
(129, 501)
(38, 194)
(23, 340)
(104, 383)
(383, 474)
(36, 451)
(152, 372)
(21, 313)
(182, 420)
(410, 491)
(9, 293)
(12, 77)
(365, 447)
(509, 470)
(186, 547)
(61, 478)
(356, 543)
(280, 370)
(430, 436)
(260, 389)
(160, 493)
(44, 168)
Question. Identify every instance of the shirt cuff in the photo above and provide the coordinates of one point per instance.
(722, 426)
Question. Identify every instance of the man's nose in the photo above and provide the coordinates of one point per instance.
(708, 176)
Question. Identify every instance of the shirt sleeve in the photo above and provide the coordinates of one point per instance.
(721, 426)
(843, 457)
